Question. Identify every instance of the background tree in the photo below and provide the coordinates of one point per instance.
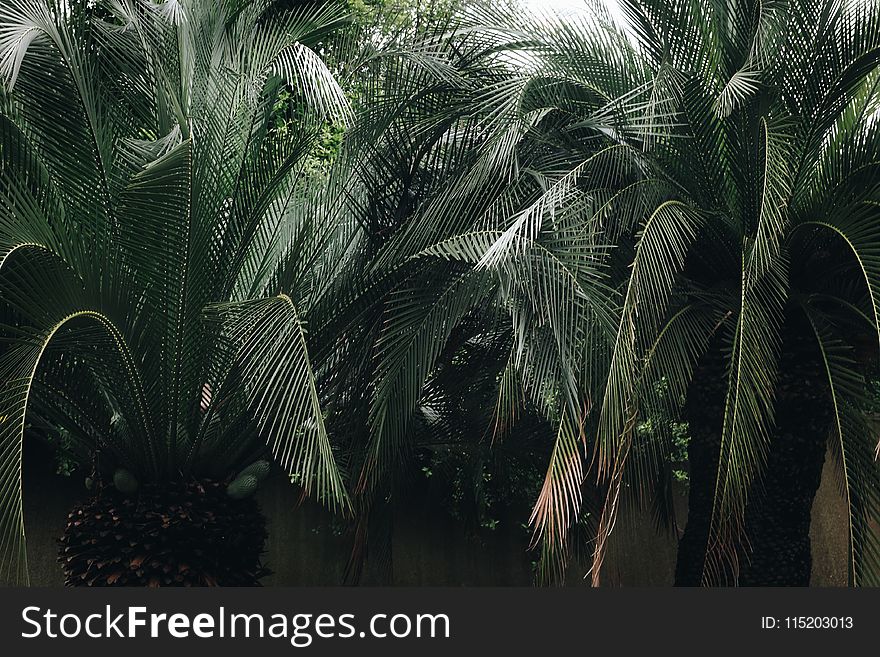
(474, 167)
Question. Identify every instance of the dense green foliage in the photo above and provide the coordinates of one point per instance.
(138, 189)
(462, 243)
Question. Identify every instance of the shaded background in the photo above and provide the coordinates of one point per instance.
(306, 548)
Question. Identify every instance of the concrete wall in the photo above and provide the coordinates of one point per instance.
(428, 549)
(829, 531)
(638, 556)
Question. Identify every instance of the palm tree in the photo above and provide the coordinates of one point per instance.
(471, 173)
(145, 193)
(753, 290)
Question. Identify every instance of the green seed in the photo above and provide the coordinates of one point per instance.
(125, 481)
(242, 487)
(259, 469)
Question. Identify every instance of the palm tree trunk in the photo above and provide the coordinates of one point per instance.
(778, 516)
(704, 411)
(778, 521)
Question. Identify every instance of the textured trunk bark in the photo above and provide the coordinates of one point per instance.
(778, 521)
(778, 515)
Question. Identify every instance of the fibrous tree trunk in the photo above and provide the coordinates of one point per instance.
(776, 549)
(778, 516)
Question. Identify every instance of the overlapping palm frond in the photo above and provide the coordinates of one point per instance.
(580, 209)
(761, 124)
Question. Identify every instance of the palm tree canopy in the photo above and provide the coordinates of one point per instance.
(772, 168)
(142, 185)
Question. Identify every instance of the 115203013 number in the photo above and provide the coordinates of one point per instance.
(807, 623)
